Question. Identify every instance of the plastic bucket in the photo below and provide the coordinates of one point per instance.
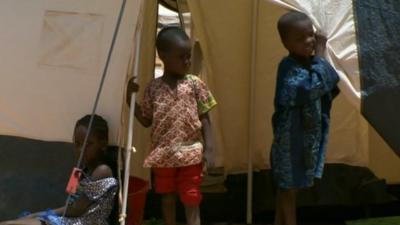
(137, 191)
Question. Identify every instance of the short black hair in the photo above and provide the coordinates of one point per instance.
(286, 22)
(99, 126)
(168, 36)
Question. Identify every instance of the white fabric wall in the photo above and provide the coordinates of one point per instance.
(51, 60)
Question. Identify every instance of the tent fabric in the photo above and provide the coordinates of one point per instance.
(227, 64)
(377, 29)
(53, 54)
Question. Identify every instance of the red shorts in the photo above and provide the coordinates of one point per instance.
(185, 181)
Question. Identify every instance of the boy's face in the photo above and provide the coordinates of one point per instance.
(177, 59)
(300, 39)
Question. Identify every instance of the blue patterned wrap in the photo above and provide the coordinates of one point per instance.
(303, 99)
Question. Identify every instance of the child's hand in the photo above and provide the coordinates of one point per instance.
(209, 156)
(131, 88)
(320, 44)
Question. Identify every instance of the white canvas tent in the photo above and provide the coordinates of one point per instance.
(53, 53)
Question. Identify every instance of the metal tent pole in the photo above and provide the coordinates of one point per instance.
(129, 145)
(249, 217)
(180, 14)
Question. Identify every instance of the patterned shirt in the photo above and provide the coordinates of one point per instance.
(303, 99)
(175, 120)
(100, 192)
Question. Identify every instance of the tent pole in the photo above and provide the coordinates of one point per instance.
(249, 217)
(181, 19)
(129, 147)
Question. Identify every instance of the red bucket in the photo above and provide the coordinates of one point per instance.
(137, 191)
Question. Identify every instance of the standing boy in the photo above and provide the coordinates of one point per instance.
(305, 88)
(176, 107)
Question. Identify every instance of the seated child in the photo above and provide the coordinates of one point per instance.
(94, 200)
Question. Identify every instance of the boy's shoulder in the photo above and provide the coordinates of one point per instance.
(288, 62)
(192, 77)
(154, 82)
(158, 80)
(321, 64)
(195, 79)
(102, 171)
(320, 60)
(288, 65)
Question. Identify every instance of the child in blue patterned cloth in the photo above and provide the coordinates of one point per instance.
(305, 88)
(94, 200)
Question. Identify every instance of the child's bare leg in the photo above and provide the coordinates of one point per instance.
(22, 221)
(279, 219)
(192, 215)
(168, 203)
(287, 200)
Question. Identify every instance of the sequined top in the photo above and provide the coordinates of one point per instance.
(101, 193)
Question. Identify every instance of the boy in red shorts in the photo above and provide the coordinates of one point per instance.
(176, 107)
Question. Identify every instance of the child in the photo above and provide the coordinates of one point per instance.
(176, 107)
(305, 88)
(95, 197)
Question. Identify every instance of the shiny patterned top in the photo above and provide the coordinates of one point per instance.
(175, 120)
(101, 193)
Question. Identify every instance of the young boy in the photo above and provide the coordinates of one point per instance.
(176, 107)
(305, 88)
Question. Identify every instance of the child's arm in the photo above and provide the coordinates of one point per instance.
(297, 86)
(320, 45)
(333, 77)
(139, 116)
(78, 208)
(205, 102)
(82, 204)
(208, 139)
(134, 87)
